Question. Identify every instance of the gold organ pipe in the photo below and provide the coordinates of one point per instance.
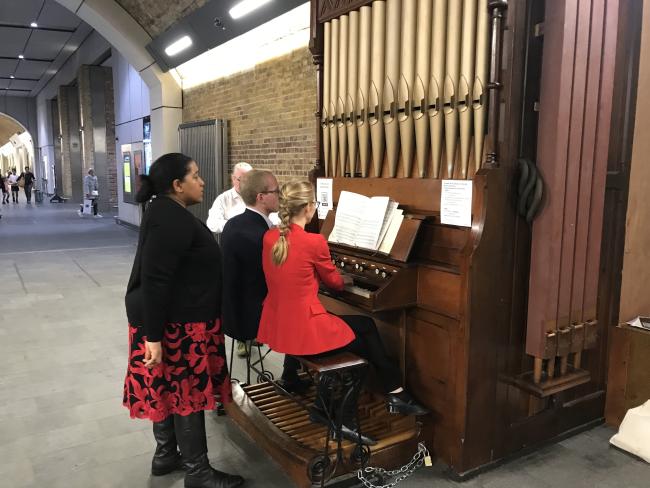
(361, 108)
(422, 63)
(389, 106)
(353, 68)
(342, 93)
(376, 85)
(405, 88)
(479, 93)
(326, 96)
(334, 84)
(466, 82)
(436, 87)
(450, 91)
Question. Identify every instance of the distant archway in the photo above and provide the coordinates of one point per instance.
(16, 145)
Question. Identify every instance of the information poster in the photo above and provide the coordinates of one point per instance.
(456, 202)
(324, 196)
(126, 158)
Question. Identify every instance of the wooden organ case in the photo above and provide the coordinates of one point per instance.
(410, 93)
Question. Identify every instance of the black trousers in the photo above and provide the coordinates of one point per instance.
(14, 193)
(366, 344)
(28, 192)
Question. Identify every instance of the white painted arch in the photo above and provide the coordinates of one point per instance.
(115, 24)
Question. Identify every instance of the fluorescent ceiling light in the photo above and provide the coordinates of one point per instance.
(11, 76)
(178, 46)
(20, 56)
(246, 7)
(33, 24)
(278, 37)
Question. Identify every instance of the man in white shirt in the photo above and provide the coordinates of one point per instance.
(230, 202)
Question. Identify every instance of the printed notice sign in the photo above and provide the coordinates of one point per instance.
(456, 202)
(324, 196)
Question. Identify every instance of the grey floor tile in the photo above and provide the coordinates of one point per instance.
(63, 356)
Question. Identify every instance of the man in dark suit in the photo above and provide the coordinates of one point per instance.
(244, 285)
(241, 242)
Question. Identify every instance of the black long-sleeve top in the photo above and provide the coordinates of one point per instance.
(176, 275)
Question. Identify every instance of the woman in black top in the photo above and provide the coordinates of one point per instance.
(177, 366)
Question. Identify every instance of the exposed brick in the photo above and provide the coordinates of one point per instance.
(270, 111)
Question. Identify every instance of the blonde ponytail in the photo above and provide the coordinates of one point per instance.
(294, 196)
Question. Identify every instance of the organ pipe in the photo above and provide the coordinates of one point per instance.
(363, 127)
(405, 89)
(352, 86)
(376, 85)
(391, 129)
(422, 67)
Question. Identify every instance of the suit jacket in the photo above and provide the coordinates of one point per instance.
(293, 319)
(244, 287)
(176, 274)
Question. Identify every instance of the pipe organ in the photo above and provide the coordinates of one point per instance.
(411, 93)
(413, 73)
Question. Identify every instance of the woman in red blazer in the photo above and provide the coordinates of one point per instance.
(293, 319)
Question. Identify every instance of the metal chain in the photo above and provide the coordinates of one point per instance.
(400, 474)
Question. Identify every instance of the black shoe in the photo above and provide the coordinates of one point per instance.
(404, 404)
(296, 386)
(202, 475)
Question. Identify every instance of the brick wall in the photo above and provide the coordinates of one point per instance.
(270, 112)
(111, 163)
(86, 119)
(66, 172)
(107, 174)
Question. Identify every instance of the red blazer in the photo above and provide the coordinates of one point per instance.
(293, 319)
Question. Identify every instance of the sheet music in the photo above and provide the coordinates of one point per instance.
(390, 213)
(391, 233)
(348, 218)
(362, 221)
(371, 223)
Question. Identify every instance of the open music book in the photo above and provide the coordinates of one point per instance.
(368, 222)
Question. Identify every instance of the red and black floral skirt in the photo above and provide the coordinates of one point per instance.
(192, 377)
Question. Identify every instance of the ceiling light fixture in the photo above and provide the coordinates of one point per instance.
(20, 56)
(246, 7)
(11, 76)
(178, 46)
(33, 24)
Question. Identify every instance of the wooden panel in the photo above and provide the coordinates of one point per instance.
(441, 244)
(440, 291)
(428, 360)
(628, 383)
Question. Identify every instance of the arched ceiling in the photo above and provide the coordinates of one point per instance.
(155, 16)
(8, 127)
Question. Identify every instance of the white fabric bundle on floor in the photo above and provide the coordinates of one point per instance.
(634, 433)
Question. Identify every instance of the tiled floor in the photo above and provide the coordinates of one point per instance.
(62, 362)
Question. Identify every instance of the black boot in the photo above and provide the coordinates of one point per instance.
(190, 433)
(167, 458)
(405, 404)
